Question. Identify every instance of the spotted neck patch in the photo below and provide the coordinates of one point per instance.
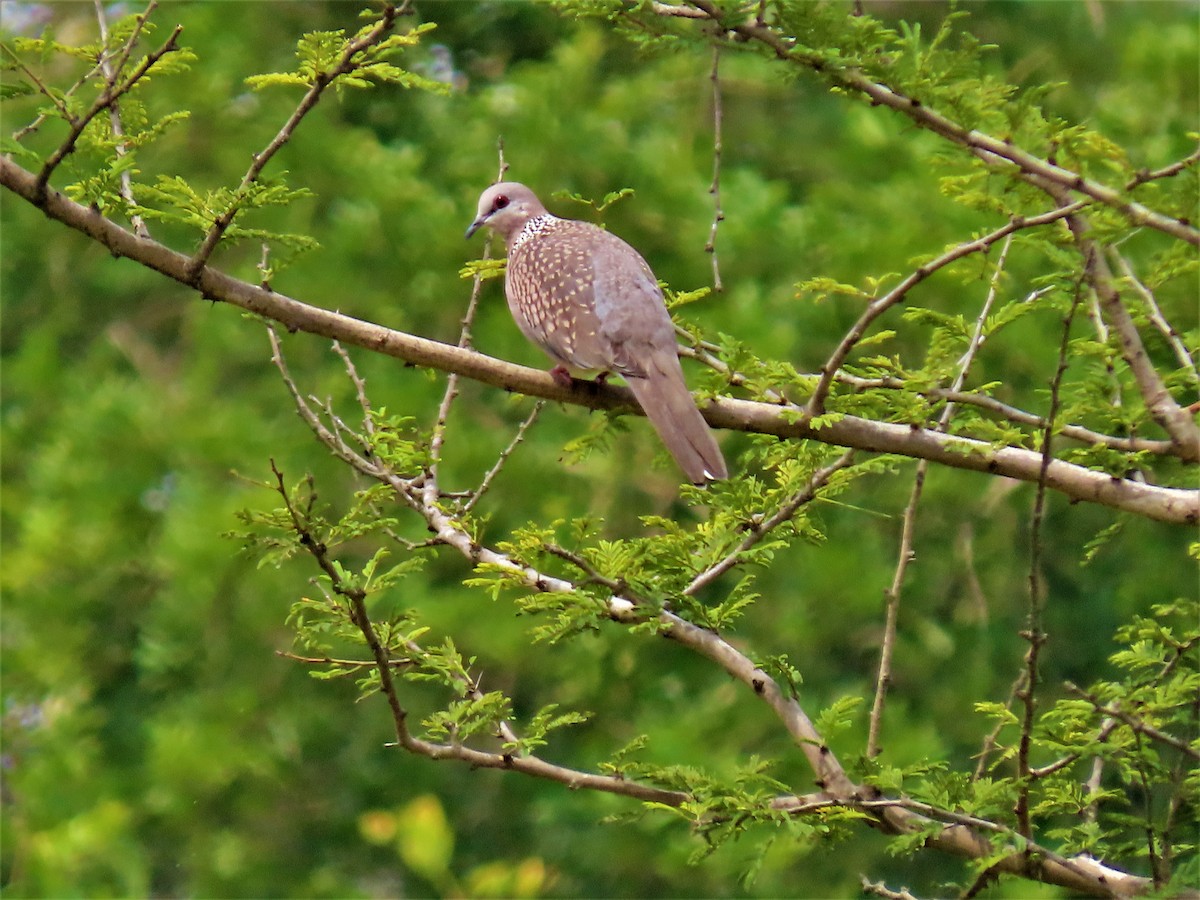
(538, 225)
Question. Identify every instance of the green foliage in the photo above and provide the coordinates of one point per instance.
(153, 741)
(177, 201)
(328, 57)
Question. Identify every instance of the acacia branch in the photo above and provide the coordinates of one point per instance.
(1175, 420)
(383, 662)
(1083, 435)
(946, 830)
(1154, 311)
(908, 526)
(111, 74)
(762, 526)
(1166, 504)
(1029, 167)
(705, 353)
(718, 149)
(877, 307)
(346, 63)
(1033, 633)
(112, 92)
(1134, 723)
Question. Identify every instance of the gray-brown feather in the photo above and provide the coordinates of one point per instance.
(669, 406)
(591, 302)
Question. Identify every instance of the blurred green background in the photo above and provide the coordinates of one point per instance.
(156, 744)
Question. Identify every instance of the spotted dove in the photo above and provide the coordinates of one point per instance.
(591, 302)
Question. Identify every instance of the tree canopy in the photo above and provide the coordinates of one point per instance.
(934, 276)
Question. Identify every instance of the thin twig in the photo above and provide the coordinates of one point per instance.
(107, 97)
(981, 882)
(760, 527)
(345, 64)
(476, 495)
(114, 115)
(718, 148)
(344, 663)
(990, 741)
(877, 307)
(1134, 723)
(464, 343)
(1169, 171)
(1107, 727)
(906, 554)
(59, 102)
(1156, 315)
(360, 388)
(1152, 848)
(1033, 627)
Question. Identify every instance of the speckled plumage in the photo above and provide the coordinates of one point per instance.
(591, 302)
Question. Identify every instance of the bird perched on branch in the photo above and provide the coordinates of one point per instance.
(591, 302)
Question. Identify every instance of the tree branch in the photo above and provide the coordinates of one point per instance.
(718, 149)
(877, 307)
(346, 63)
(112, 92)
(908, 526)
(1161, 503)
(958, 834)
(990, 149)
(114, 113)
(1134, 723)
(1175, 420)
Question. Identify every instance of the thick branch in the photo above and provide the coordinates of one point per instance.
(1164, 504)
(1175, 420)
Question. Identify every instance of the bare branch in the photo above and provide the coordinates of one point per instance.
(683, 12)
(464, 342)
(491, 474)
(344, 663)
(879, 889)
(1170, 171)
(718, 148)
(892, 595)
(1027, 694)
